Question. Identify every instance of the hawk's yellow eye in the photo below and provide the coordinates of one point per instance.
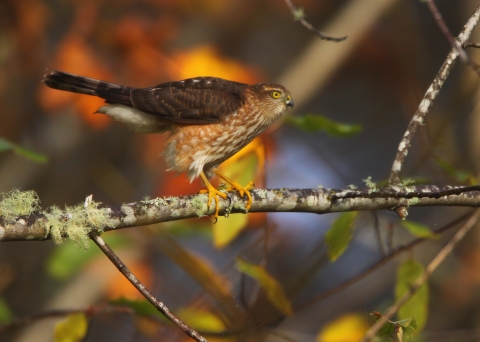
(276, 94)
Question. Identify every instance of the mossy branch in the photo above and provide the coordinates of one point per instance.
(21, 219)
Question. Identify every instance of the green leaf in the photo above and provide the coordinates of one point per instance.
(67, 259)
(398, 331)
(141, 307)
(71, 329)
(5, 313)
(6, 145)
(340, 234)
(273, 289)
(419, 230)
(315, 123)
(459, 176)
(417, 306)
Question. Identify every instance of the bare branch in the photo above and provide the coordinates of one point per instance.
(432, 266)
(429, 97)
(431, 193)
(142, 289)
(298, 15)
(318, 201)
(446, 31)
(93, 310)
(376, 227)
(370, 270)
(470, 44)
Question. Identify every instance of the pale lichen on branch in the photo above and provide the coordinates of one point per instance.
(75, 223)
(18, 203)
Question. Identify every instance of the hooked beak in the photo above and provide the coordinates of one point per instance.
(289, 102)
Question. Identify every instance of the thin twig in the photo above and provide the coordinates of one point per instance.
(93, 310)
(428, 99)
(376, 226)
(264, 263)
(268, 232)
(379, 264)
(369, 271)
(445, 30)
(432, 266)
(298, 15)
(470, 44)
(143, 290)
(391, 232)
(38, 316)
(449, 36)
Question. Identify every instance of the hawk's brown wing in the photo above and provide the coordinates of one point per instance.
(194, 100)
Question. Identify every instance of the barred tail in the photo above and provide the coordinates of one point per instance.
(112, 93)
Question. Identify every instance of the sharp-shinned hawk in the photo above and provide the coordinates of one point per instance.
(209, 119)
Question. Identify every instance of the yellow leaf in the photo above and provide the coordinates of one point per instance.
(251, 158)
(347, 328)
(270, 285)
(227, 228)
(241, 168)
(72, 329)
(202, 320)
(212, 282)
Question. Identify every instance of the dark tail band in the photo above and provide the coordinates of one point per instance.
(112, 93)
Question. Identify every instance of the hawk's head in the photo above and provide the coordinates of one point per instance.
(274, 98)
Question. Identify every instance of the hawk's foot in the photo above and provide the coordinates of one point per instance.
(242, 190)
(212, 194)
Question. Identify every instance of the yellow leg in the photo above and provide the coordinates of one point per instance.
(212, 193)
(235, 186)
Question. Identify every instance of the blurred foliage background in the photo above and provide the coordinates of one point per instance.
(376, 79)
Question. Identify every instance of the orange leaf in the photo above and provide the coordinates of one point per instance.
(87, 106)
(120, 287)
(206, 61)
(75, 55)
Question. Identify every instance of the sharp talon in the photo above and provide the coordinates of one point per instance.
(250, 186)
(215, 194)
(212, 194)
(242, 190)
(249, 201)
